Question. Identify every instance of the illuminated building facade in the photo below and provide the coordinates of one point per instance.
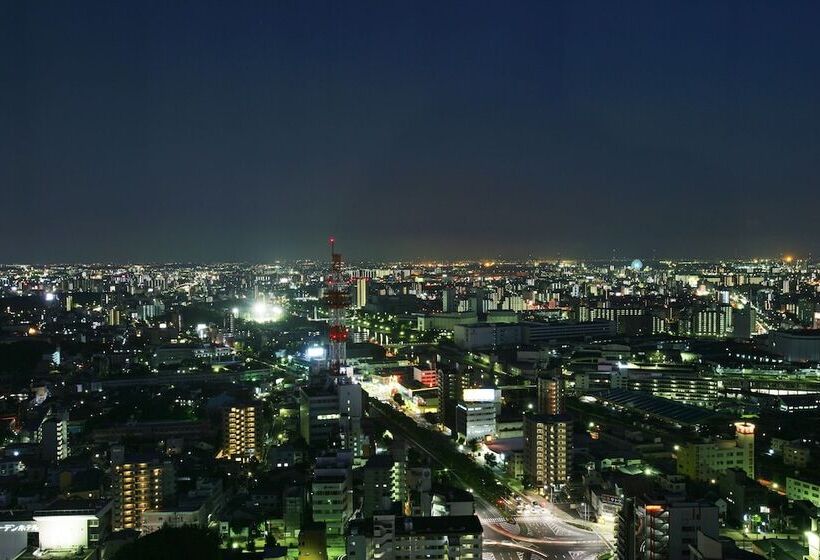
(680, 385)
(550, 394)
(241, 432)
(547, 450)
(140, 485)
(803, 489)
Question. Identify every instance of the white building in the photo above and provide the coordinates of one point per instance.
(68, 525)
(706, 461)
(476, 413)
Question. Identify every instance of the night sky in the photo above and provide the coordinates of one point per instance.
(202, 131)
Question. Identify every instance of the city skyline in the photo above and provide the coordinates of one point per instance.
(167, 133)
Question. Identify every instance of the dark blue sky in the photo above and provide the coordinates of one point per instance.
(253, 130)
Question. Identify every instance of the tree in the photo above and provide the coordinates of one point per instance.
(173, 543)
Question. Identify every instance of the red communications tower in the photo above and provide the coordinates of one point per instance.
(337, 298)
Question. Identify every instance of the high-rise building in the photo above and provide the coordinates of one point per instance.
(649, 529)
(331, 498)
(448, 300)
(383, 484)
(140, 484)
(350, 399)
(550, 394)
(318, 414)
(52, 434)
(450, 383)
(547, 450)
(240, 431)
(332, 413)
(114, 317)
(706, 461)
(478, 305)
(713, 321)
(361, 292)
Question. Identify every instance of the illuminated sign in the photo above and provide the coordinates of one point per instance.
(20, 527)
(479, 395)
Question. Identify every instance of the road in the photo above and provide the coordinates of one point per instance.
(536, 533)
(540, 532)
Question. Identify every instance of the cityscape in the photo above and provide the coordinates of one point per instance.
(575, 410)
(385, 280)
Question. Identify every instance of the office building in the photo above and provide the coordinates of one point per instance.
(744, 322)
(332, 413)
(318, 414)
(475, 418)
(452, 380)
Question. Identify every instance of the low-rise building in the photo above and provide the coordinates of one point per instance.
(390, 537)
(706, 461)
(803, 489)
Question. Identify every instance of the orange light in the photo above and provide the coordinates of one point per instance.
(654, 507)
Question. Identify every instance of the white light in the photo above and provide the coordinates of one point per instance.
(262, 312)
(315, 353)
(479, 395)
